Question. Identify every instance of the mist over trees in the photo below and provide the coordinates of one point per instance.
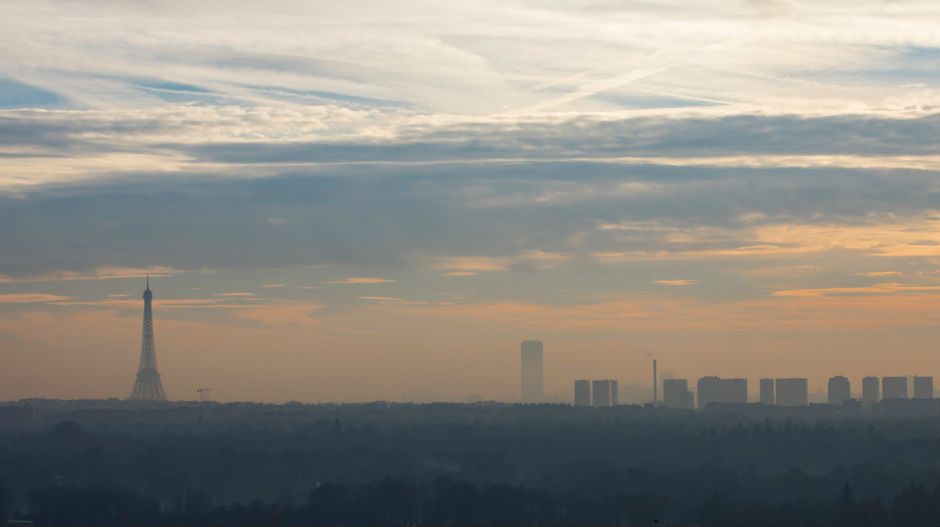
(470, 464)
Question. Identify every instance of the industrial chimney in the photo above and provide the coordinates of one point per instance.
(655, 384)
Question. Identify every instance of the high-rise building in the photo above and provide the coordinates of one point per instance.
(923, 387)
(604, 393)
(767, 391)
(840, 390)
(532, 371)
(734, 390)
(148, 387)
(792, 392)
(708, 391)
(582, 393)
(870, 390)
(718, 390)
(676, 393)
(894, 387)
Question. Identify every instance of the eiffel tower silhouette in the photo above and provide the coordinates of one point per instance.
(147, 387)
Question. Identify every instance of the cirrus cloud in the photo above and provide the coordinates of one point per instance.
(360, 280)
(30, 298)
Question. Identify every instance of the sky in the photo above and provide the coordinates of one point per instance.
(356, 201)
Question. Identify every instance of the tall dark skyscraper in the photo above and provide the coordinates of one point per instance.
(793, 391)
(582, 392)
(840, 390)
(767, 391)
(871, 391)
(532, 371)
(894, 387)
(604, 393)
(923, 387)
(717, 390)
(147, 387)
(676, 393)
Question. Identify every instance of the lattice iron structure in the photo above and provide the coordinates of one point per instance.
(147, 387)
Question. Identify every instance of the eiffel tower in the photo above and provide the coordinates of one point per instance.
(147, 387)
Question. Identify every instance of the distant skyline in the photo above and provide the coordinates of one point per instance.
(364, 201)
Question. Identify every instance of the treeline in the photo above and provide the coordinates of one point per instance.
(454, 464)
(445, 501)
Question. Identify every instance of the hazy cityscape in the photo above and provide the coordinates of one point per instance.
(686, 454)
(605, 393)
(676, 393)
(527, 263)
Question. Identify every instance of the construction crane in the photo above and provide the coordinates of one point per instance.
(205, 394)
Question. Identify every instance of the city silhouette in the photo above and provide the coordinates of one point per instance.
(709, 456)
(469, 263)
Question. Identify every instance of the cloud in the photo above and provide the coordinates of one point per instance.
(877, 289)
(99, 273)
(56, 147)
(392, 300)
(875, 274)
(890, 237)
(470, 263)
(234, 294)
(497, 57)
(380, 298)
(479, 219)
(676, 282)
(359, 281)
(901, 309)
(580, 144)
(275, 285)
(171, 303)
(29, 298)
(593, 138)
